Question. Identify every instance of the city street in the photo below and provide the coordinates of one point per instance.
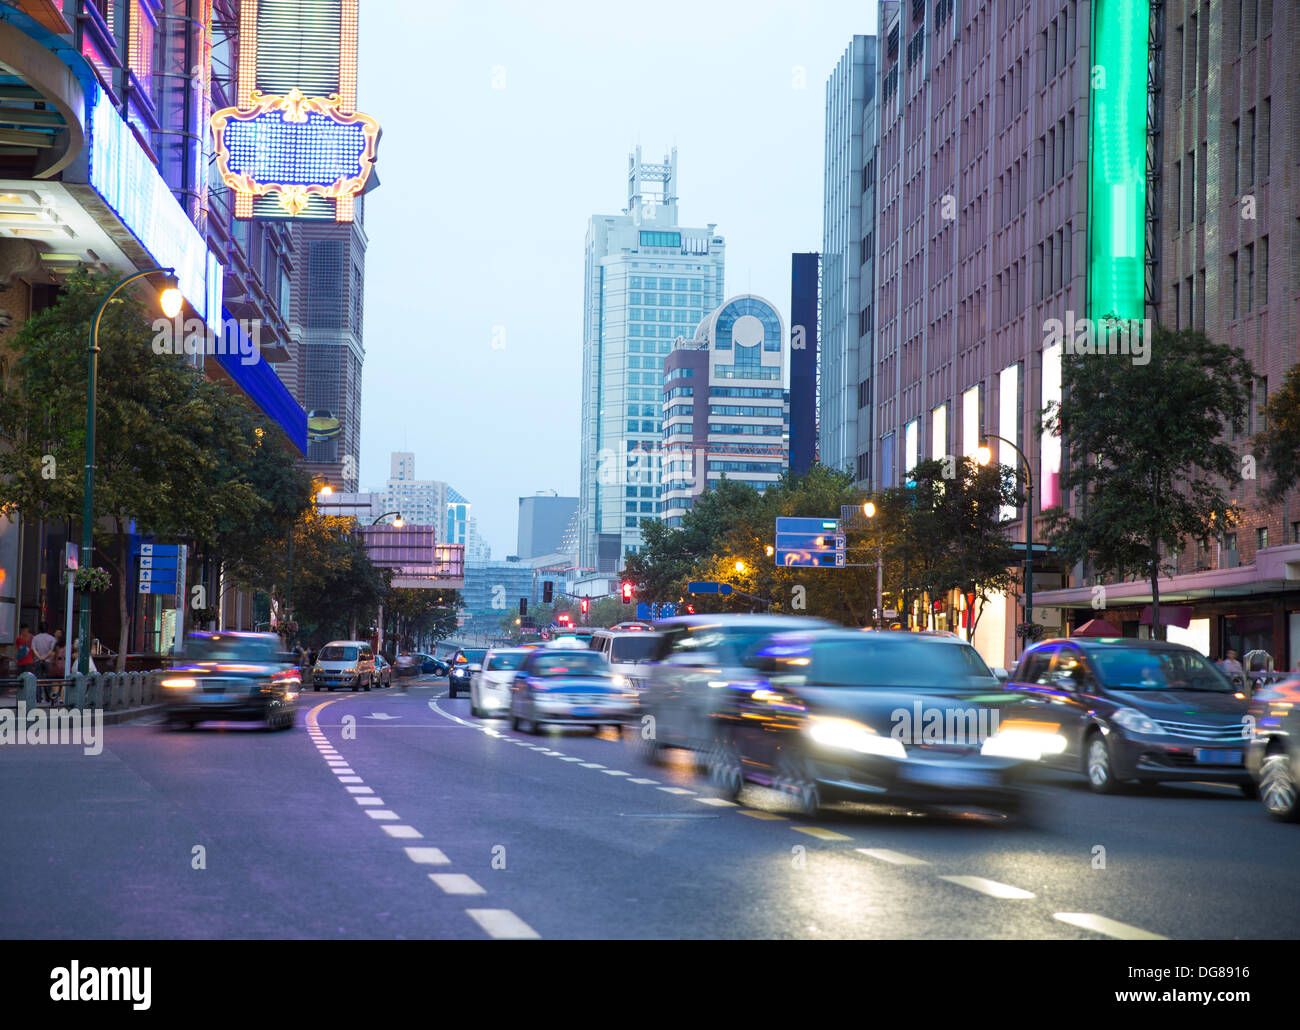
(390, 815)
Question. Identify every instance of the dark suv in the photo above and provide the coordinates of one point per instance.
(236, 676)
(1143, 710)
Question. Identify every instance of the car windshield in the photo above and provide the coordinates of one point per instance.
(474, 656)
(334, 653)
(633, 648)
(911, 663)
(505, 662)
(233, 649)
(1140, 668)
(570, 663)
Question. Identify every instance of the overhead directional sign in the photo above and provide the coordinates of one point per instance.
(162, 568)
(707, 587)
(657, 610)
(810, 543)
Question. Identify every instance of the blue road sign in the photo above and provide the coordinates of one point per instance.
(707, 587)
(810, 543)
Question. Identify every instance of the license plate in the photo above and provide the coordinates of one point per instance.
(1218, 756)
(582, 710)
(952, 776)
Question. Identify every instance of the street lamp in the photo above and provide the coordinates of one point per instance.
(740, 567)
(396, 522)
(984, 456)
(869, 510)
(170, 301)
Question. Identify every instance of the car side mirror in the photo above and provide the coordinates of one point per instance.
(1002, 674)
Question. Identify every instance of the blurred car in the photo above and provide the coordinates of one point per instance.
(344, 663)
(695, 652)
(489, 688)
(573, 687)
(1273, 755)
(235, 676)
(839, 713)
(464, 663)
(405, 665)
(383, 671)
(1143, 710)
(630, 653)
(431, 666)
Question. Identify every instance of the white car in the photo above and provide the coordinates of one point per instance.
(489, 689)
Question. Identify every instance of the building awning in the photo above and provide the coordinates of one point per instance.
(1170, 615)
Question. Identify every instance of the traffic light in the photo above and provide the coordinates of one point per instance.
(627, 593)
(585, 606)
(523, 606)
(548, 591)
(690, 609)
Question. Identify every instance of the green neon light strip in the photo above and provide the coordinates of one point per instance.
(1117, 164)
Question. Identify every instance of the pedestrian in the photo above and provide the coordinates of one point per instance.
(1230, 665)
(76, 651)
(23, 656)
(54, 668)
(42, 648)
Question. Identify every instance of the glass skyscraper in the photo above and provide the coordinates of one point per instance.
(647, 282)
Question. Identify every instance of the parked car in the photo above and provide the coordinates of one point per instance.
(694, 652)
(1137, 710)
(464, 663)
(1273, 755)
(344, 663)
(235, 676)
(489, 688)
(573, 687)
(383, 671)
(840, 713)
(431, 666)
(630, 653)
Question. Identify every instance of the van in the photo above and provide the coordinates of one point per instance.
(630, 652)
(344, 663)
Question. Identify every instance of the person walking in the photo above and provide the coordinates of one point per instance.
(23, 656)
(42, 649)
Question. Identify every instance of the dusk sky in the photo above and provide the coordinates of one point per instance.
(506, 126)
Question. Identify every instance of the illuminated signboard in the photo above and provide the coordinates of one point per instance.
(131, 185)
(294, 146)
(1117, 161)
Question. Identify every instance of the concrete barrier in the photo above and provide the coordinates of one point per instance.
(28, 690)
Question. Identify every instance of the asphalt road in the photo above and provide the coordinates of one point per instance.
(390, 815)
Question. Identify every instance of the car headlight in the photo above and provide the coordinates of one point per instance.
(1135, 722)
(851, 735)
(1024, 741)
(180, 683)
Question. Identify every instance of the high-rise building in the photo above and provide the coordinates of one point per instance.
(648, 280)
(543, 518)
(847, 263)
(724, 403)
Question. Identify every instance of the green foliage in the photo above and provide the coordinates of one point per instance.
(1148, 459)
(1279, 442)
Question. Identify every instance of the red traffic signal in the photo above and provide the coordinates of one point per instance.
(585, 605)
(627, 593)
(690, 609)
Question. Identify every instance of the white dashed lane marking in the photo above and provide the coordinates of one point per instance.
(893, 857)
(502, 924)
(990, 887)
(456, 883)
(402, 831)
(642, 779)
(360, 790)
(676, 790)
(381, 813)
(426, 856)
(1109, 927)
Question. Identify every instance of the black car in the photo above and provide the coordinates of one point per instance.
(1137, 710)
(1273, 756)
(465, 662)
(232, 676)
(835, 714)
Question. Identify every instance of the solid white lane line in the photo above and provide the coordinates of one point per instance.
(676, 790)
(402, 831)
(502, 924)
(893, 857)
(1109, 927)
(642, 779)
(361, 790)
(426, 856)
(456, 883)
(990, 887)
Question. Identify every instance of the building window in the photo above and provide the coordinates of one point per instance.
(1261, 538)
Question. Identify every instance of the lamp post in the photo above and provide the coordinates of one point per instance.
(398, 523)
(869, 510)
(985, 455)
(170, 301)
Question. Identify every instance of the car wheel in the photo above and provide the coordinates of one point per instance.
(514, 722)
(1098, 765)
(795, 779)
(369, 683)
(726, 770)
(1277, 788)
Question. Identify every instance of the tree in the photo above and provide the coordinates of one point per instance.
(1279, 442)
(168, 442)
(1148, 460)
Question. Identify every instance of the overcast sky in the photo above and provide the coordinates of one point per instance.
(505, 127)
